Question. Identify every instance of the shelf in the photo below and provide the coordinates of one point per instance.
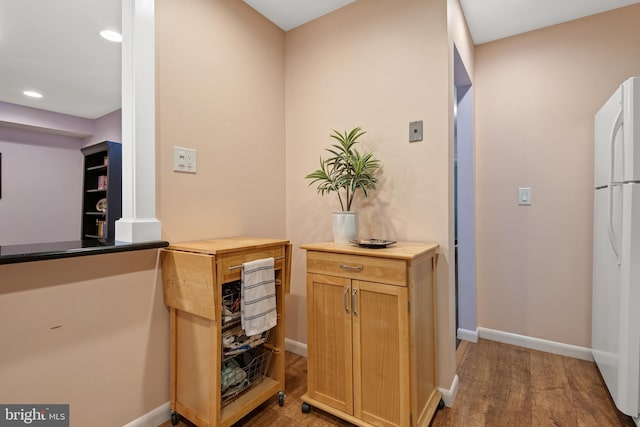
(252, 397)
(102, 184)
(229, 325)
(235, 342)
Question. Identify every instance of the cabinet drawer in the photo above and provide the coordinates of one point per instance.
(382, 270)
(234, 260)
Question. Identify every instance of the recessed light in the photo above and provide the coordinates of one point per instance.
(32, 94)
(112, 36)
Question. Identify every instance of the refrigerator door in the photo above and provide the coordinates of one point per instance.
(616, 295)
(631, 129)
(629, 373)
(609, 141)
(605, 327)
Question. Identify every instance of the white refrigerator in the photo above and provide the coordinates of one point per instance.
(615, 339)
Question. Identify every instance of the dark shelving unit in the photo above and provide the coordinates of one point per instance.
(102, 182)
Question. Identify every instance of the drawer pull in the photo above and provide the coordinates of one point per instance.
(352, 267)
(344, 299)
(234, 267)
(353, 301)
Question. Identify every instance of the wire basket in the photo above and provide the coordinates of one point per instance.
(245, 371)
(231, 304)
(234, 341)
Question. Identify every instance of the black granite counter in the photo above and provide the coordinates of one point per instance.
(11, 254)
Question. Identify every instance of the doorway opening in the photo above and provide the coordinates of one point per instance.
(464, 204)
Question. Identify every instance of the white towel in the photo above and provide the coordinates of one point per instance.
(258, 296)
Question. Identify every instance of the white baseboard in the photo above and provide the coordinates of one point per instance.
(536, 344)
(467, 335)
(449, 396)
(295, 347)
(153, 418)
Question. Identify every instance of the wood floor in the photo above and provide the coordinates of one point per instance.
(500, 385)
(503, 385)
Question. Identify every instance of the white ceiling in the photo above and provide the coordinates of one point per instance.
(490, 20)
(288, 14)
(53, 46)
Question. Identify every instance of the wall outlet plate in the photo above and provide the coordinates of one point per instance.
(184, 159)
(415, 131)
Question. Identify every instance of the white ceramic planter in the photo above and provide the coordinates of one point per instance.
(345, 226)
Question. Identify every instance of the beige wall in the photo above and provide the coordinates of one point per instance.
(89, 331)
(220, 90)
(222, 85)
(378, 65)
(536, 95)
(460, 36)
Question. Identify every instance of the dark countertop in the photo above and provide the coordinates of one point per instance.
(11, 254)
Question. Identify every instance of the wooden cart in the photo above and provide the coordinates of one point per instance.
(195, 275)
(372, 337)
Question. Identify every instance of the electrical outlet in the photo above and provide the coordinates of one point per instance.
(184, 159)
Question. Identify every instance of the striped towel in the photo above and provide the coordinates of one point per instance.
(258, 296)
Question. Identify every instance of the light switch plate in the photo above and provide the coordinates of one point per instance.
(415, 131)
(524, 196)
(184, 159)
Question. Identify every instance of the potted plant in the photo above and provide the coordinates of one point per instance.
(345, 172)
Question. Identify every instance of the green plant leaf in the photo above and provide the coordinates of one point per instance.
(346, 170)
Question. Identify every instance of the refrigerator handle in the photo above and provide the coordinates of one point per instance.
(613, 239)
(617, 125)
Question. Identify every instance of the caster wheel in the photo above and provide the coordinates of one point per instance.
(441, 404)
(281, 397)
(306, 408)
(174, 418)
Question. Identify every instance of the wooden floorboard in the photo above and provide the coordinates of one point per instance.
(500, 385)
(503, 385)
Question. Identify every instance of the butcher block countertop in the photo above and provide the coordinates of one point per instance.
(400, 250)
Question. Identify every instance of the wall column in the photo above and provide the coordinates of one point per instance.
(138, 222)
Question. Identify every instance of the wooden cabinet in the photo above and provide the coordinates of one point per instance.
(372, 333)
(196, 276)
(102, 190)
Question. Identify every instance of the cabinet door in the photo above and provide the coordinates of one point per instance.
(381, 364)
(329, 347)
